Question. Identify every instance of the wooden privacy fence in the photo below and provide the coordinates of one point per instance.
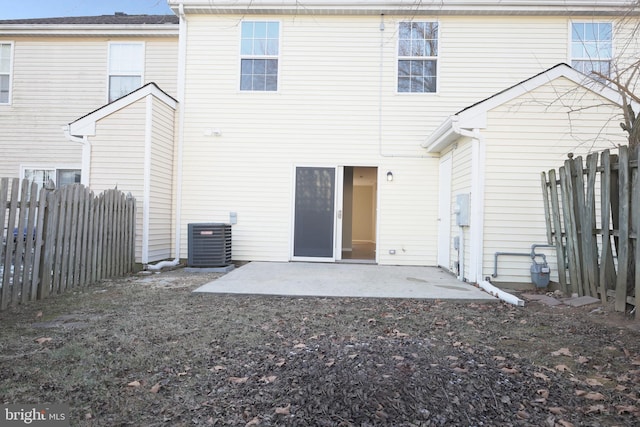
(55, 240)
(592, 213)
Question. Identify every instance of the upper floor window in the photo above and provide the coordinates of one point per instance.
(5, 72)
(417, 56)
(126, 66)
(259, 47)
(591, 47)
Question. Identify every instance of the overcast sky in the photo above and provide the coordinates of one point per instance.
(24, 9)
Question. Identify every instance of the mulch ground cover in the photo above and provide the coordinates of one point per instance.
(145, 351)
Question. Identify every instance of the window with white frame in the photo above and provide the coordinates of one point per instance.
(592, 47)
(60, 177)
(126, 67)
(5, 72)
(417, 56)
(259, 49)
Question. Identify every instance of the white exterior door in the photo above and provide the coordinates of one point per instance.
(444, 213)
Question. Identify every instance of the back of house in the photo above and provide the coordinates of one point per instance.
(309, 125)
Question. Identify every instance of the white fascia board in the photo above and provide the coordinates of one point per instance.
(86, 126)
(159, 30)
(475, 117)
(470, 114)
(390, 7)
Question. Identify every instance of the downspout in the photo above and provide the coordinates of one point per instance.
(477, 207)
(182, 58)
(86, 153)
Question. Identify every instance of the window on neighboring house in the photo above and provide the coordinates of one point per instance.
(417, 56)
(5, 72)
(60, 177)
(126, 66)
(591, 47)
(259, 46)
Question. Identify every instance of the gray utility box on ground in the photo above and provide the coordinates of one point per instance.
(209, 245)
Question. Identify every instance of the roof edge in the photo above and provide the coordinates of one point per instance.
(474, 116)
(86, 125)
(395, 7)
(89, 29)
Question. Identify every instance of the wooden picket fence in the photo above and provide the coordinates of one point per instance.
(54, 240)
(593, 219)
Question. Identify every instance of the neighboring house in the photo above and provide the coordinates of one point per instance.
(351, 131)
(55, 70)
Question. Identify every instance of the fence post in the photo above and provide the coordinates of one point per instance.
(635, 200)
(41, 230)
(607, 267)
(8, 296)
(4, 291)
(623, 230)
(590, 248)
(17, 232)
(29, 259)
(571, 231)
(557, 225)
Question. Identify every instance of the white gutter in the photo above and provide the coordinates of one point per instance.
(182, 58)
(403, 7)
(445, 134)
(86, 154)
(88, 30)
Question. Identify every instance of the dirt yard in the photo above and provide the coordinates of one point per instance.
(145, 351)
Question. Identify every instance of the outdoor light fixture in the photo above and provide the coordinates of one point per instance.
(389, 176)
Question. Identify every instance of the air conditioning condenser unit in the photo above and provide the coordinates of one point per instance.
(209, 245)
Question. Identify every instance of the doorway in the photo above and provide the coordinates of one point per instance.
(314, 215)
(359, 218)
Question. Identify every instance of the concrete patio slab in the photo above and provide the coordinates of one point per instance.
(344, 280)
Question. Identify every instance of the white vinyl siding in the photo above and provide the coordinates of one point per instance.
(514, 213)
(338, 105)
(126, 68)
(161, 184)
(119, 146)
(6, 54)
(118, 153)
(461, 184)
(75, 83)
(250, 167)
